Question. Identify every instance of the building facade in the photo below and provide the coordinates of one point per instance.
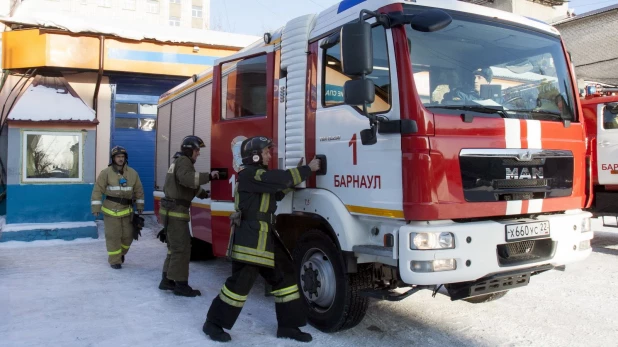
(74, 88)
(180, 13)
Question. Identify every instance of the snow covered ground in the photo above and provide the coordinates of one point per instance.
(59, 293)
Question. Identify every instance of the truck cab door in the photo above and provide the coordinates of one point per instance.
(367, 178)
(607, 143)
(242, 106)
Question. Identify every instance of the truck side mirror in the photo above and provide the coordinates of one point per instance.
(356, 48)
(359, 92)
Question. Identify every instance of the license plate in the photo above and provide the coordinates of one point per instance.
(524, 231)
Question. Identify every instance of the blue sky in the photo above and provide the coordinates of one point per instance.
(254, 17)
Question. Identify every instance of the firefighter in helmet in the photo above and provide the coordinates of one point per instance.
(122, 187)
(256, 247)
(182, 184)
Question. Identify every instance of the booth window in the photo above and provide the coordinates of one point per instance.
(52, 156)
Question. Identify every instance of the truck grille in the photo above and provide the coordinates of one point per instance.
(515, 174)
(508, 184)
(523, 252)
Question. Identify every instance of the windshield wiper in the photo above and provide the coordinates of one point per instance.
(474, 108)
(565, 122)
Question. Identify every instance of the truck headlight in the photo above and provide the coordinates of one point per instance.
(422, 241)
(586, 225)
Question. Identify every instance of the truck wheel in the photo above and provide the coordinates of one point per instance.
(486, 297)
(330, 294)
(201, 250)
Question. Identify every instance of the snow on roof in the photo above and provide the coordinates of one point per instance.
(586, 14)
(28, 14)
(50, 99)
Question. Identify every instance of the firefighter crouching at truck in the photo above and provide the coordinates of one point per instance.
(120, 184)
(255, 247)
(182, 184)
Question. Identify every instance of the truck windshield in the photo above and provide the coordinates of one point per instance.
(479, 62)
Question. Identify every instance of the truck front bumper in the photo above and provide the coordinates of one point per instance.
(481, 249)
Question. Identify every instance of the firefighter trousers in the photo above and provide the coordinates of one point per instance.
(176, 263)
(291, 312)
(118, 237)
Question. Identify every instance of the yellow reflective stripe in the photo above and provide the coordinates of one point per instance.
(116, 214)
(265, 202)
(295, 175)
(236, 200)
(253, 251)
(287, 298)
(165, 212)
(258, 174)
(285, 291)
(233, 295)
(252, 259)
(263, 234)
(125, 247)
(231, 302)
(169, 252)
(115, 252)
(95, 202)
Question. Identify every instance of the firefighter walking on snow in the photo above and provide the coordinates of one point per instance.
(182, 184)
(121, 185)
(255, 247)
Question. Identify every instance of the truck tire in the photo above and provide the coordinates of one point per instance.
(486, 297)
(200, 250)
(331, 295)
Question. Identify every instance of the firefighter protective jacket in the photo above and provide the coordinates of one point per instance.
(259, 190)
(182, 184)
(108, 183)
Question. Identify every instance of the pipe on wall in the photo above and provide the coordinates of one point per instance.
(95, 99)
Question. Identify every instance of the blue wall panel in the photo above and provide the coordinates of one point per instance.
(39, 203)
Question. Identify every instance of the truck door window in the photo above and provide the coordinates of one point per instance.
(243, 88)
(333, 78)
(610, 118)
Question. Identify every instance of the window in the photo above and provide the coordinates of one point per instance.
(244, 88)
(52, 156)
(196, 11)
(147, 124)
(129, 5)
(152, 6)
(147, 109)
(610, 117)
(333, 79)
(105, 3)
(125, 123)
(476, 61)
(126, 108)
(174, 21)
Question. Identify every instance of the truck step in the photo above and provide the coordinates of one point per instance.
(379, 251)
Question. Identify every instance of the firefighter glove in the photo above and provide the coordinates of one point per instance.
(162, 235)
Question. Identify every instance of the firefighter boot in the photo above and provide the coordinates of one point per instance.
(166, 284)
(294, 334)
(116, 266)
(182, 288)
(215, 332)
